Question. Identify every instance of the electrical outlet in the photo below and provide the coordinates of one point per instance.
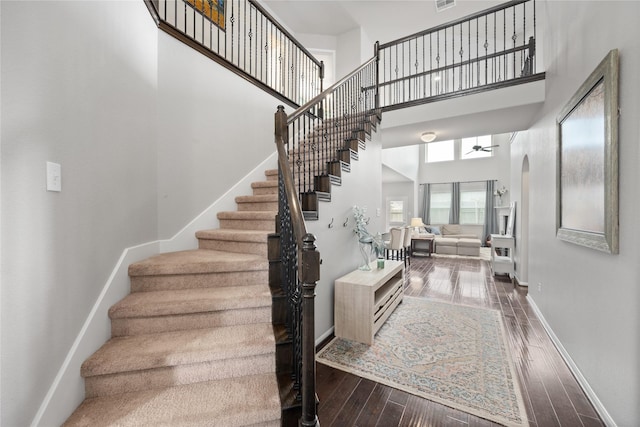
(539, 287)
(378, 212)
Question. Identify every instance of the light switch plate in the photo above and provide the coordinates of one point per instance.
(54, 177)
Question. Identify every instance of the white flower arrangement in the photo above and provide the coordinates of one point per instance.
(500, 191)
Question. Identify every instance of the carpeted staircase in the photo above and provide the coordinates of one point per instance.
(193, 344)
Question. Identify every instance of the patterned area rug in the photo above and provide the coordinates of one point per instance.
(451, 354)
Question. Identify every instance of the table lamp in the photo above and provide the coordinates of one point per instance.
(416, 223)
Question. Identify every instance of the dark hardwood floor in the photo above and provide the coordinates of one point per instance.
(551, 394)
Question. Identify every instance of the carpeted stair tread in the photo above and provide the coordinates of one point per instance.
(244, 401)
(165, 303)
(256, 236)
(151, 351)
(197, 261)
(248, 215)
(257, 198)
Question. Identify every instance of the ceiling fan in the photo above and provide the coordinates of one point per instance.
(481, 148)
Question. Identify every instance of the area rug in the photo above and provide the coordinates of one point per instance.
(451, 354)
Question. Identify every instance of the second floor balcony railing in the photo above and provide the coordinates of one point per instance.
(242, 36)
(492, 48)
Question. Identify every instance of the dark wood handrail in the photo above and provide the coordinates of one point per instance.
(306, 107)
(297, 218)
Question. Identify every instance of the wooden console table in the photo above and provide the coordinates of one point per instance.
(420, 244)
(365, 299)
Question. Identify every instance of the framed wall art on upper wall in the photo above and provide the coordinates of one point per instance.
(213, 10)
(587, 175)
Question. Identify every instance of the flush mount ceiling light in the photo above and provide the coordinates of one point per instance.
(428, 136)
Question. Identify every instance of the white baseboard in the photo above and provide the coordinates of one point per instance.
(591, 395)
(520, 282)
(324, 336)
(67, 390)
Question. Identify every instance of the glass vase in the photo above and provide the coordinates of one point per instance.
(364, 252)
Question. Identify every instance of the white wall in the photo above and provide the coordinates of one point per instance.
(404, 160)
(482, 169)
(338, 245)
(590, 299)
(78, 88)
(205, 142)
(349, 52)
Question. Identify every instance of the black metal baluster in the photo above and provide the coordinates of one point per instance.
(232, 19)
(470, 66)
(514, 38)
(418, 80)
(211, 35)
(527, 59)
(461, 58)
(263, 59)
(292, 68)
(535, 40)
(185, 18)
(430, 64)
(494, 76)
(250, 35)
(486, 51)
(424, 76)
(404, 86)
(504, 43)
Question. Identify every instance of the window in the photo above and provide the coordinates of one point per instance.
(396, 209)
(472, 202)
(467, 151)
(440, 203)
(440, 151)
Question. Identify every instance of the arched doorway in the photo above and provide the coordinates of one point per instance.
(523, 243)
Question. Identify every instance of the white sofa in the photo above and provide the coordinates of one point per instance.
(456, 239)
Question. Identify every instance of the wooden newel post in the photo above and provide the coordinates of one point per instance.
(280, 124)
(310, 274)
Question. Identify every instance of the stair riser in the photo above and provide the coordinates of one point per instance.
(265, 190)
(260, 206)
(265, 187)
(181, 322)
(272, 175)
(123, 382)
(248, 224)
(236, 247)
(197, 281)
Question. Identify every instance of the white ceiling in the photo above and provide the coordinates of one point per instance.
(381, 20)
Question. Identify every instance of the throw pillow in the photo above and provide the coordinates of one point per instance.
(435, 230)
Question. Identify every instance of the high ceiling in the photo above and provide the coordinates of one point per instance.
(381, 20)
